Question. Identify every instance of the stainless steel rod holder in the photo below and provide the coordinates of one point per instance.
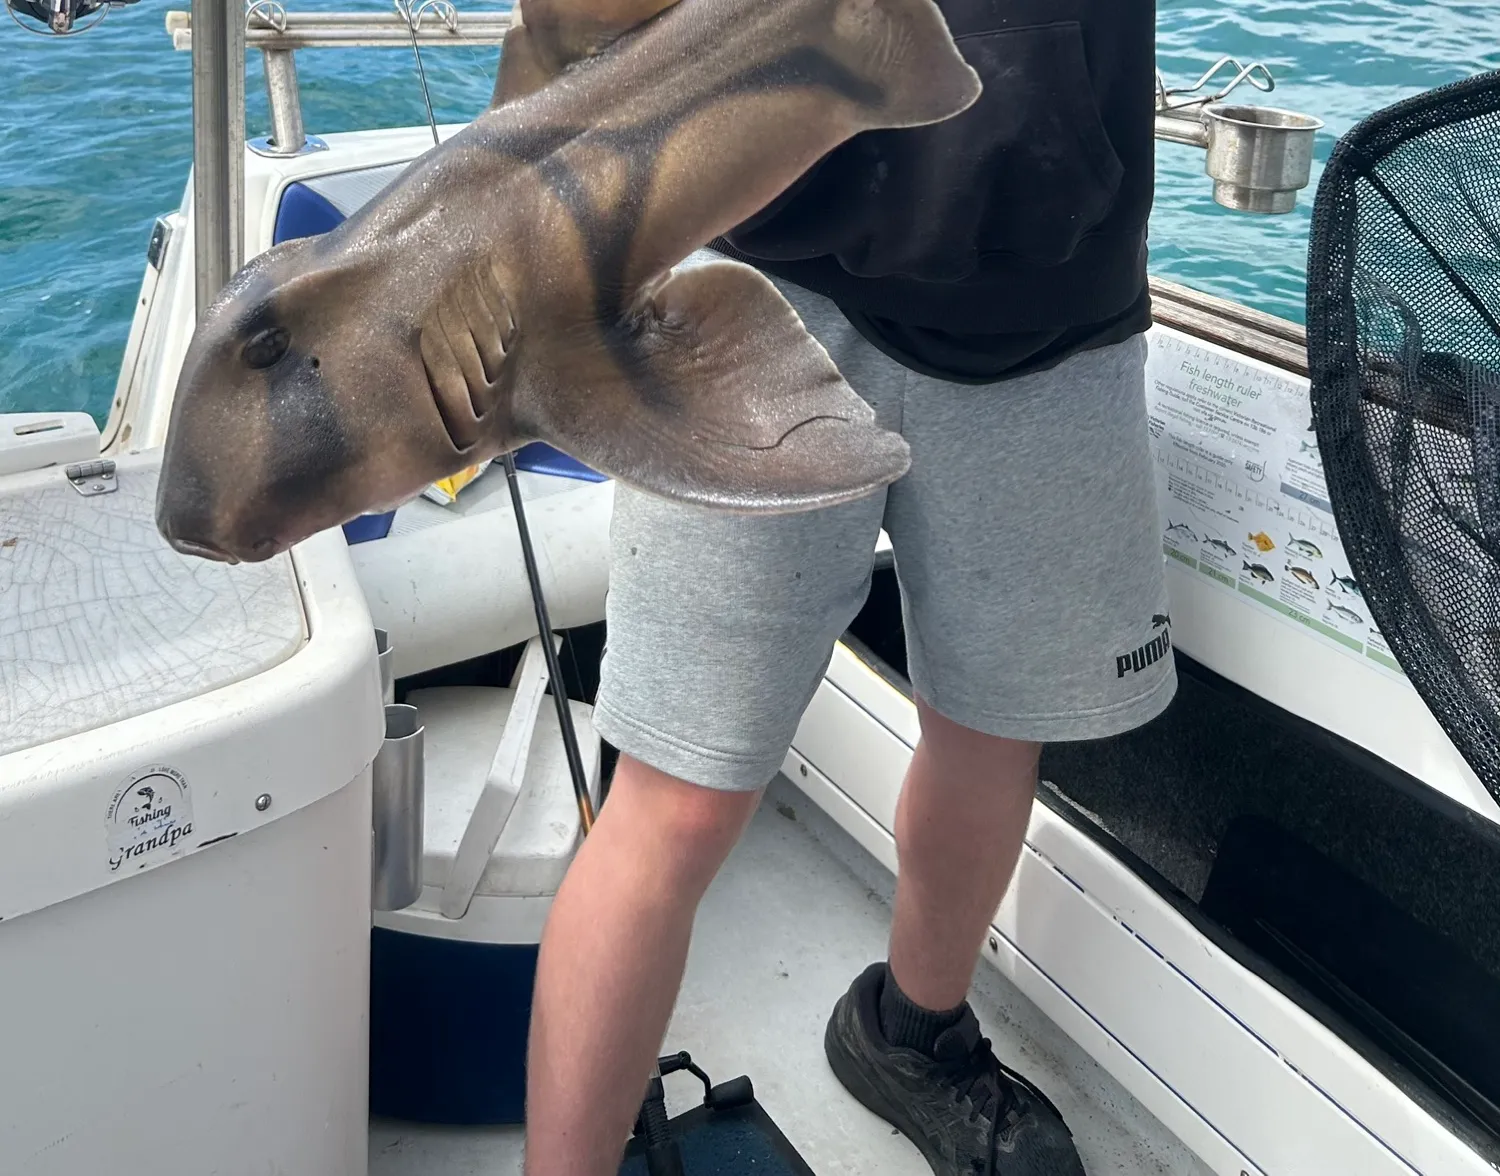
(287, 134)
(385, 659)
(399, 787)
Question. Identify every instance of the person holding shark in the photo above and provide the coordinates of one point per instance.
(981, 283)
(923, 311)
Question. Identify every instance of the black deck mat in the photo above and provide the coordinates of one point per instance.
(1415, 992)
(1169, 791)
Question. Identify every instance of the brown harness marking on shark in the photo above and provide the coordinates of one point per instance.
(515, 283)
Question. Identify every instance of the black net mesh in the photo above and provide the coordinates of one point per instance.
(1403, 333)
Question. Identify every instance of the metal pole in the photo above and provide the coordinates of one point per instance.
(218, 143)
(1182, 126)
(287, 134)
(234, 130)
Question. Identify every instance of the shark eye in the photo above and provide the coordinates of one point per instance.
(266, 347)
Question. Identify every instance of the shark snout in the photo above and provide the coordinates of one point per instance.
(191, 528)
(201, 550)
(220, 550)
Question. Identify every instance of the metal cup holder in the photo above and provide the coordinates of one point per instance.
(1259, 157)
(398, 792)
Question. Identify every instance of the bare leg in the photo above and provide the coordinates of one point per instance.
(903, 1039)
(959, 827)
(612, 959)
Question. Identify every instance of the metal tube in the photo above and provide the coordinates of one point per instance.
(385, 658)
(234, 129)
(333, 30)
(398, 784)
(218, 144)
(1186, 127)
(210, 159)
(287, 133)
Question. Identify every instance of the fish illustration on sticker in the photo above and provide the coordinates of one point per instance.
(1345, 614)
(1219, 545)
(1302, 574)
(1262, 541)
(1304, 547)
(1260, 572)
(1182, 530)
(1345, 584)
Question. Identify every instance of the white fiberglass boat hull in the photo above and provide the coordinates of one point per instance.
(1251, 1082)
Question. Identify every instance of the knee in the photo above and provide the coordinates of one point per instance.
(965, 767)
(947, 736)
(684, 829)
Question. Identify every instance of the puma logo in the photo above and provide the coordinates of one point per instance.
(1151, 652)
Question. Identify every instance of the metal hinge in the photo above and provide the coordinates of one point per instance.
(92, 477)
(156, 249)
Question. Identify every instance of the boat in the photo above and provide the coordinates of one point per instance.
(306, 946)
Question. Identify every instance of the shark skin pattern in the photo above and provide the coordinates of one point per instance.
(515, 283)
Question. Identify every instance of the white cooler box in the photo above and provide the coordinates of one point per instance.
(185, 832)
(452, 973)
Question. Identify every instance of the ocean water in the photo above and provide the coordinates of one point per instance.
(96, 139)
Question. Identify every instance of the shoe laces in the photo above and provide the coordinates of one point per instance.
(975, 1075)
(990, 1086)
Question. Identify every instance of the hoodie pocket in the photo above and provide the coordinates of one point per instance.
(1042, 156)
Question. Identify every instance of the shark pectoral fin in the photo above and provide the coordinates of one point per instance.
(716, 395)
(548, 35)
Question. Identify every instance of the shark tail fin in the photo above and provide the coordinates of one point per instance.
(714, 395)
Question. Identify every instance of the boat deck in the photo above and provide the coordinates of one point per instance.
(797, 912)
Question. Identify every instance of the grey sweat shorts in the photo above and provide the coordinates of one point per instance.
(1026, 543)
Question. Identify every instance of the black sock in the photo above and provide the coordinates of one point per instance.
(907, 1024)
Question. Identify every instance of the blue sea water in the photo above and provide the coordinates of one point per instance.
(96, 139)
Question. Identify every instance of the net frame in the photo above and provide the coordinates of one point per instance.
(1403, 340)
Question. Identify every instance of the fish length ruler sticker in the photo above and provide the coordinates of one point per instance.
(1242, 495)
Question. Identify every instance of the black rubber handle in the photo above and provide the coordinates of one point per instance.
(737, 1092)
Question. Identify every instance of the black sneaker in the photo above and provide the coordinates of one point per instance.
(969, 1115)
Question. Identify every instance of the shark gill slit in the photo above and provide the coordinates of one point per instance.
(449, 426)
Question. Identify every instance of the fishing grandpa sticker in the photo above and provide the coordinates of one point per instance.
(150, 818)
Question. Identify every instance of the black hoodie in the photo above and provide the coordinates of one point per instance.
(1006, 238)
